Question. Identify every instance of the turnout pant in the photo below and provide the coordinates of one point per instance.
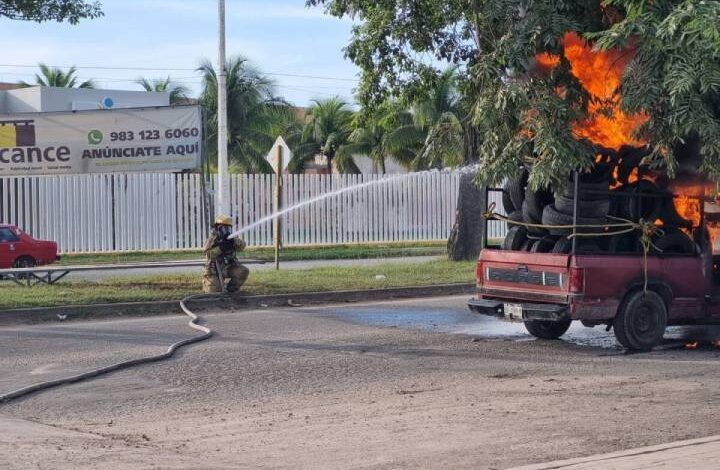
(236, 272)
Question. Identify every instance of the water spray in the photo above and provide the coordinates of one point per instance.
(275, 215)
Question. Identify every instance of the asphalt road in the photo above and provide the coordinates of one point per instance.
(125, 273)
(405, 384)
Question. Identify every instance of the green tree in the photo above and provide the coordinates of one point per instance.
(327, 129)
(71, 11)
(520, 119)
(255, 114)
(371, 136)
(402, 47)
(437, 130)
(674, 76)
(178, 93)
(56, 77)
(524, 117)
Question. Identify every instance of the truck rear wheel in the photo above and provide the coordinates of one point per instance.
(547, 329)
(640, 323)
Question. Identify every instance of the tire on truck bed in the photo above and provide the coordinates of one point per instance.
(515, 238)
(514, 193)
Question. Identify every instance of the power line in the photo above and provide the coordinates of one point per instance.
(157, 69)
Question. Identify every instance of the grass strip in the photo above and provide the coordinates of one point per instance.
(288, 254)
(173, 287)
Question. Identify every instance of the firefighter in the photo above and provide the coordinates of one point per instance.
(220, 251)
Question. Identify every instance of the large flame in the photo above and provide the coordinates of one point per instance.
(692, 197)
(688, 208)
(600, 73)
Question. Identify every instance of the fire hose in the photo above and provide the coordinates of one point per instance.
(170, 352)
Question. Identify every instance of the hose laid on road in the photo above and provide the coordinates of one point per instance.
(206, 334)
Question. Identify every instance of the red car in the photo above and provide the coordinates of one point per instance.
(20, 250)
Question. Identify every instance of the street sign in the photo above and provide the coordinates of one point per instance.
(282, 149)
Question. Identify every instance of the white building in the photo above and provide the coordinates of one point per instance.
(38, 99)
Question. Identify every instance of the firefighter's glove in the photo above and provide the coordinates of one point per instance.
(214, 253)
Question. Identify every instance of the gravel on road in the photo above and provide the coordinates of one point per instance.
(402, 384)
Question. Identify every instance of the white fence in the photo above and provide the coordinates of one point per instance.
(105, 213)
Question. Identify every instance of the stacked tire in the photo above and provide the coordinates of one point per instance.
(544, 208)
(596, 202)
(593, 206)
(526, 206)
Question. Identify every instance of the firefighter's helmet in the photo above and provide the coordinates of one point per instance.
(223, 220)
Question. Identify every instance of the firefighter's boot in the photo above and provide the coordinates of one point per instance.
(238, 274)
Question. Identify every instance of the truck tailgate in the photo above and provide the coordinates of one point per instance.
(523, 276)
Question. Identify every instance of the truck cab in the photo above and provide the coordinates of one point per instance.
(638, 294)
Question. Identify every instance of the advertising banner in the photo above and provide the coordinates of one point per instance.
(103, 141)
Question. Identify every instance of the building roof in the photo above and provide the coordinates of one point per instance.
(9, 86)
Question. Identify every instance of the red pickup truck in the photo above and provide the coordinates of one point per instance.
(20, 250)
(547, 291)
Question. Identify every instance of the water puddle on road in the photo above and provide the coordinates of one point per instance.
(456, 320)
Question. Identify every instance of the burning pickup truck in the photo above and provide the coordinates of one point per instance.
(621, 245)
(592, 256)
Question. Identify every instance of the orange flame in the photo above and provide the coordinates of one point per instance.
(546, 62)
(688, 208)
(692, 345)
(600, 73)
(689, 200)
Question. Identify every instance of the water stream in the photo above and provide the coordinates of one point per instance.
(337, 192)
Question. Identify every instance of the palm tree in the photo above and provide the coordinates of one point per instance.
(178, 93)
(436, 133)
(326, 130)
(254, 114)
(370, 136)
(56, 77)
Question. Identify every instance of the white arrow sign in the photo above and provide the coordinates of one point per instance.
(285, 155)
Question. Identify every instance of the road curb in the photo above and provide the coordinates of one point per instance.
(143, 309)
(632, 458)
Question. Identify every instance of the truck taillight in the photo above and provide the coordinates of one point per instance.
(479, 274)
(576, 281)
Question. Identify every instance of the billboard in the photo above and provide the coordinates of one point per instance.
(103, 141)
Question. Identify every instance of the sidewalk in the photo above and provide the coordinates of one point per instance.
(102, 275)
(696, 454)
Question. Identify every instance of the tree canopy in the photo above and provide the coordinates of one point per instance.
(326, 130)
(178, 93)
(526, 113)
(255, 114)
(57, 77)
(71, 11)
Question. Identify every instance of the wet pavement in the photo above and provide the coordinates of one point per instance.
(453, 316)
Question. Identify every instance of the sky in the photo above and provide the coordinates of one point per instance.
(171, 37)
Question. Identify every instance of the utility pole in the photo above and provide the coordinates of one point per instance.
(222, 192)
